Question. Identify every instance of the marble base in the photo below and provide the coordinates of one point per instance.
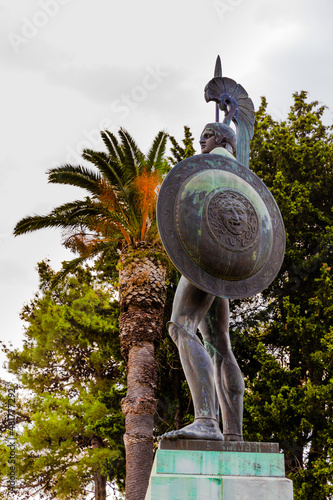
(239, 471)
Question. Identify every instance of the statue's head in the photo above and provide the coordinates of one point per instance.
(217, 135)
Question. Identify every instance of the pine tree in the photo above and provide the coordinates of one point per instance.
(69, 424)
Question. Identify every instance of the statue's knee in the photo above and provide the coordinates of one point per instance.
(174, 332)
(181, 337)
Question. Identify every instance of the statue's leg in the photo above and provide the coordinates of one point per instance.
(189, 307)
(228, 377)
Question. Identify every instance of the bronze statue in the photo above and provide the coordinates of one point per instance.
(222, 229)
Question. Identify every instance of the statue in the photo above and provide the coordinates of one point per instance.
(223, 231)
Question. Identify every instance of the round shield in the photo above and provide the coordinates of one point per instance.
(220, 226)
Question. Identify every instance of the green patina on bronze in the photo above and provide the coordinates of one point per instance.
(227, 254)
(223, 231)
(221, 226)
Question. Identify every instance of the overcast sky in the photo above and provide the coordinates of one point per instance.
(70, 68)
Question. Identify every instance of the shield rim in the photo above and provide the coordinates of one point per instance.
(166, 222)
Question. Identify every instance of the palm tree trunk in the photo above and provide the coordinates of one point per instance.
(142, 296)
(139, 407)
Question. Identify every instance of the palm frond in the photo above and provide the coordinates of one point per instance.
(74, 207)
(75, 175)
(35, 222)
(146, 185)
(155, 156)
(71, 265)
(67, 267)
(113, 146)
(67, 216)
(110, 169)
(84, 217)
(134, 158)
(152, 234)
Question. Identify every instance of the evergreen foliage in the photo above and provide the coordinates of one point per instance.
(178, 152)
(285, 342)
(69, 424)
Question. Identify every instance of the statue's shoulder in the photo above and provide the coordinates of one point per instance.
(223, 152)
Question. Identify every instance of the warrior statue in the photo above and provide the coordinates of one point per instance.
(223, 231)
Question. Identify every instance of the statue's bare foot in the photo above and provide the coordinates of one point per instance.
(199, 429)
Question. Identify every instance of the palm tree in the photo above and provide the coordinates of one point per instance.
(119, 216)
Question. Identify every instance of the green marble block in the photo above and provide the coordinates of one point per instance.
(218, 475)
(179, 487)
(219, 463)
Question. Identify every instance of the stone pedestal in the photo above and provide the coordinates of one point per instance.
(218, 470)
